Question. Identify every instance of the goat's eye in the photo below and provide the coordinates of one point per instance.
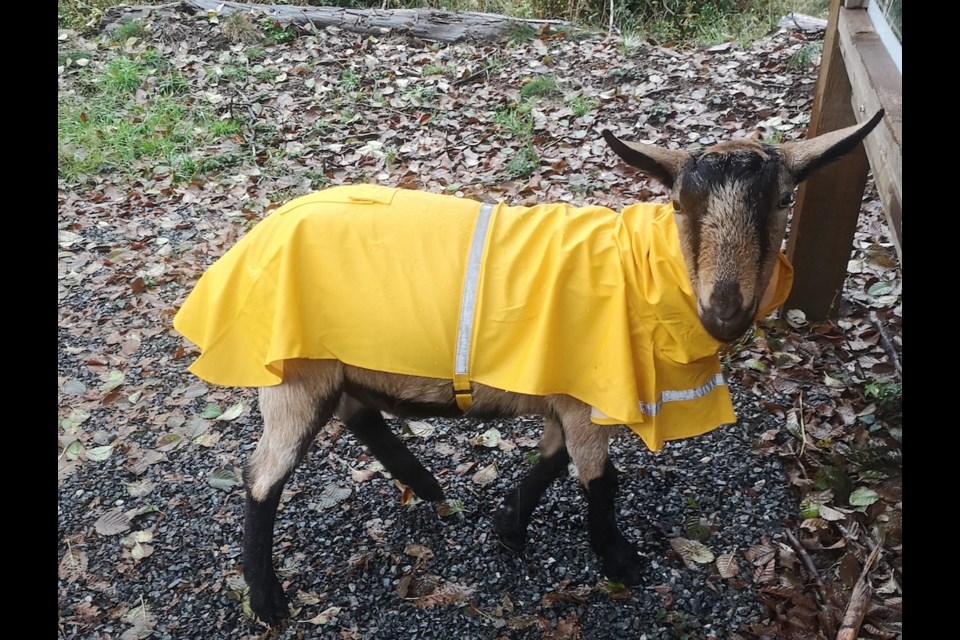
(786, 200)
(676, 206)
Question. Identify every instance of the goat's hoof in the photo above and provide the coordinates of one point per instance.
(507, 527)
(427, 489)
(270, 604)
(623, 564)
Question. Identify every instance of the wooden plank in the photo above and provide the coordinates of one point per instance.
(875, 83)
(828, 203)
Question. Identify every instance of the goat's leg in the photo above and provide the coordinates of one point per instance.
(588, 445)
(368, 425)
(512, 520)
(292, 412)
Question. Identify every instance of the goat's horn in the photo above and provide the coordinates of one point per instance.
(661, 164)
(806, 156)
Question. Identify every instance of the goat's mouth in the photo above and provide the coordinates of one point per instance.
(726, 329)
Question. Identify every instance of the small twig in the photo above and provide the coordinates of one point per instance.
(887, 343)
(610, 25)
(470, 78)
(808, 563)
(859, 600)
(363, 136)
(871, 544)
(651, 92)
(803, 428)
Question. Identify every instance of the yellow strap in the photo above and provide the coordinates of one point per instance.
(461, 390)
(468, 307)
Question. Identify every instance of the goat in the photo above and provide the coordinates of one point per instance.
(651, 293)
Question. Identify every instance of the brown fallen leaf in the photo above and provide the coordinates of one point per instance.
(112, 522)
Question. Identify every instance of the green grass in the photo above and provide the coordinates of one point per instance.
(266, 74)
(70, 57)
(234, 73)
(255, 53)
(434, 70)
(581, 105)
(133, 116)
(129, 29)
(516, 119)
(541, 87)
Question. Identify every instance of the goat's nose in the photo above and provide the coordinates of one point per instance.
(726, 302)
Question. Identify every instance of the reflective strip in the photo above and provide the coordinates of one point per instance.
(652, 409)
(468, 308)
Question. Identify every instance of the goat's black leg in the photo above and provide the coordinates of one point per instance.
(368, 425)
(618, 556)
(293, 412)
(266, 595)
(588, 445)
(512, 520)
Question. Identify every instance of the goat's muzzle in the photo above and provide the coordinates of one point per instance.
(726, 317)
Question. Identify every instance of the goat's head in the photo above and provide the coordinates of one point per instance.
(731, 202)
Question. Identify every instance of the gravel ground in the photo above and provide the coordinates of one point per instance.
(353, 556)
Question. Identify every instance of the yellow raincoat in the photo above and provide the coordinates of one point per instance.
(582, 301)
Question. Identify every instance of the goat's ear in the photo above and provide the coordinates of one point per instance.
(806, 156)
(661, 164)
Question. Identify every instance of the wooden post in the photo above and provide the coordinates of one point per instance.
(877, 83)
(828, 203)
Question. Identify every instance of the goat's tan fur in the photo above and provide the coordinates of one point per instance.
(308, 382)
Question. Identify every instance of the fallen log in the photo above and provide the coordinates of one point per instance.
(802, 22)
(426, 24)
(859, 599)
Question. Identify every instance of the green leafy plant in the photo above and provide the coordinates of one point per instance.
(275, 33)
(887, 395)
(349, 80)
(524, 163)
(805, 56)
(773, 137)
(660, 111)
(419, 95)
